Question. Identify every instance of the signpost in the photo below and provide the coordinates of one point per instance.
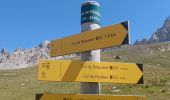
(95, 39)
(87, 97)
(88, 71)
(90, 20)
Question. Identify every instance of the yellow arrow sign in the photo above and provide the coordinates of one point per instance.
(86, 97)
(87, 71)
(90, 40)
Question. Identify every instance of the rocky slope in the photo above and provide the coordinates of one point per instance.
(161, 35)
(22, 58)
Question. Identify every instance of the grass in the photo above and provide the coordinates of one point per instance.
(22, 84)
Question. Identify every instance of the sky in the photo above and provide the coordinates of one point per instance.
(27, 23)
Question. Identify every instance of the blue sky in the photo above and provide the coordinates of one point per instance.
(26, 23)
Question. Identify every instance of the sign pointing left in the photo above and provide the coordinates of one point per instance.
(87, 71)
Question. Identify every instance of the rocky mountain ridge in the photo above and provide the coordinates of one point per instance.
(22, 58)
(161, 35)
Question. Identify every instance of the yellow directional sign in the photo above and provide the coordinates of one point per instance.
(86, 97)
(90, 40)
(87, 71)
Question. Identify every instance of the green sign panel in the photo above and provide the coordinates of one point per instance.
(90, 13)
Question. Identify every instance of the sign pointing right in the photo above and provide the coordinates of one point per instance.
(109, 36)
(88, 71)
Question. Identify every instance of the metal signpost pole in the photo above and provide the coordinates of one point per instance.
(90, 18)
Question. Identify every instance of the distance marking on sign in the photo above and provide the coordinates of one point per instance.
(95, 39)
(88, 71)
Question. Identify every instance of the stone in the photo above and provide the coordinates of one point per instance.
(118, 57)
(22, 58)
(162, 34)
(4, 51)
(44, 44)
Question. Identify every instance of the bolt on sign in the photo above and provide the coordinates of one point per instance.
(87, 97)
(90, 40)
(88, 71)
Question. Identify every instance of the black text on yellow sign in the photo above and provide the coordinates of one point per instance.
(96, 39)
(87, 97)
(87, 71)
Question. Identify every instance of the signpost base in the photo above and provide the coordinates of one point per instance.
(89, 88)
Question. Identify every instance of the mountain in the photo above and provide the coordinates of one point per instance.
(161, 35)
(22, 58)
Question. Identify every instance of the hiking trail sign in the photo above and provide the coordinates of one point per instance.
(88, 71)
(87, 97)
(109, 36)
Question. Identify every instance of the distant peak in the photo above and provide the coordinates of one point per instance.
(167, 20)
(44, 44)
(4, 51)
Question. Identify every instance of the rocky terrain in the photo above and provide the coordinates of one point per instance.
(22, 58)
(161, 35)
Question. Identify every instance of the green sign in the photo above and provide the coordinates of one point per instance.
(90, 13)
